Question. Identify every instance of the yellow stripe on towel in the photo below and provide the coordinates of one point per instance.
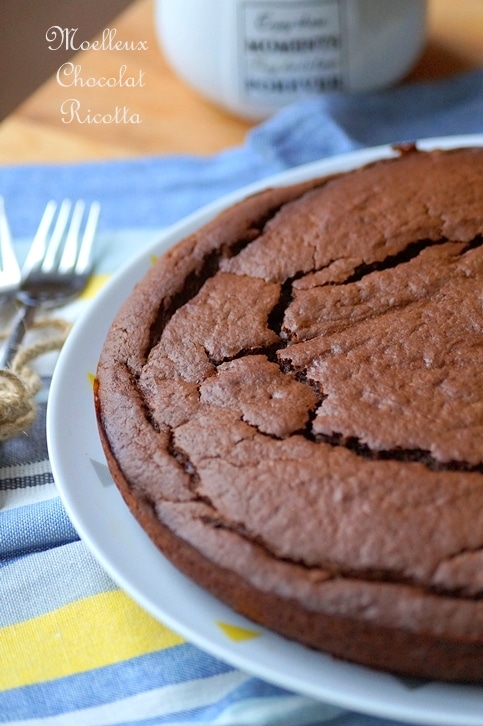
(93, 286)
(90, 633)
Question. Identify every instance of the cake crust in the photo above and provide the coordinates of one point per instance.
(291, 404)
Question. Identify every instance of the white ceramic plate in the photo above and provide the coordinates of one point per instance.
(122, 548)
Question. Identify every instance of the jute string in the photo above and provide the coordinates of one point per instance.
(19, 383)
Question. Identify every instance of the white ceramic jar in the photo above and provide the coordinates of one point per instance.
(254, 56)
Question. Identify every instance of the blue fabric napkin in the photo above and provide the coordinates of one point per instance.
(73, 648)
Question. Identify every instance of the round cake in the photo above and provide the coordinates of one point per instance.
(291, 404)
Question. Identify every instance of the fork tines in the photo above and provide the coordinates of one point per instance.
(9, 267)
(69, 240)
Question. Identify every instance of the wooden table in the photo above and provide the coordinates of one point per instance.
(174, 118)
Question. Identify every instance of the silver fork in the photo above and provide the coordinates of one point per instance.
(57, 266)
(9, 268)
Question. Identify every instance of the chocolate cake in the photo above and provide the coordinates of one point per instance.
(291, 403)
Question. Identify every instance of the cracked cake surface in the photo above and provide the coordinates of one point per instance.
(291, 404)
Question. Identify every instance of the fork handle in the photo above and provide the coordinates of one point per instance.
(21, 323)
